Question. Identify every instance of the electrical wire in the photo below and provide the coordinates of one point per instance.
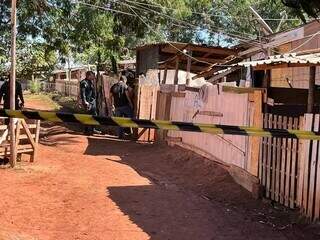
(216, 30)
(312, 37)
(104, 8)
(213, 15)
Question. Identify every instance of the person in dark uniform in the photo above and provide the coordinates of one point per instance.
(88, 97)
(120, 95)
(5, 95)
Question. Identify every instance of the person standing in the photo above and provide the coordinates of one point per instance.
(88, 98)
(120, 96)
(5, 96)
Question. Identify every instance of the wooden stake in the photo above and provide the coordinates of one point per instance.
(188, 69)
(164, 80)
(312, 81)
(13, 155)
(176, 76)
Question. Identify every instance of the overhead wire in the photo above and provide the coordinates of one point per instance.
(216, 30)
(309, 40)
(136, 15)
(214, 15)
(104, 8)
(157, 33)
(179, 50)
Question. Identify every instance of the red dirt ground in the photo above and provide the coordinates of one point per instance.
(101, 188)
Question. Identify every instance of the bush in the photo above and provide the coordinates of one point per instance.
(35, 87)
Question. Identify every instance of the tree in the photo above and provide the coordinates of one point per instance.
(311, 7)
(96, 30)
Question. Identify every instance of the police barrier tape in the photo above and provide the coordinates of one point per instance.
(159, 124)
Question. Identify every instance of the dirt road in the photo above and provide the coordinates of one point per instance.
(92, 188)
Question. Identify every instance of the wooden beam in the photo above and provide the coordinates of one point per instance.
(265, 26)
(188, 69)
(221, 75)
(312, 81)
(255, 141)
(176, 75)
(266, 80)
(195, 48)
(13, 151)
(193, 69)
(165, 74)
(205, 59)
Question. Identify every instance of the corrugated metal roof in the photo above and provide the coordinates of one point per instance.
(286, 58)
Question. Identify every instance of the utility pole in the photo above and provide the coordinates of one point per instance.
(13, 150)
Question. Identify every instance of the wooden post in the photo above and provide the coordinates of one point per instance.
(176, 75)
(266, 84)
(267, 78)
(312, 80)
(188, 69)
(164, 80)
(255, 141)
(13, 151)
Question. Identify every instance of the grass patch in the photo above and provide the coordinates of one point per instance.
(46, 99)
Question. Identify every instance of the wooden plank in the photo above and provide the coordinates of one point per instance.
(165, 74)
(294, 155)
(312, 79)
(265, 153)
(255, 141)
(300, 163)
(269, 159)
(317, 192)
(4, 135)
(176, 74)
(29, 134)
(278, 162)
(210, 113)
(283, 163)
(312, 170)
(274, 159)
(188, 68)
(261, 160)
(288, 165)
(37, 134)
(308, 127)
(18, 132)
(178, 94)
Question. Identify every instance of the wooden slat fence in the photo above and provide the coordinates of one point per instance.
(279, 161)
(309, 177)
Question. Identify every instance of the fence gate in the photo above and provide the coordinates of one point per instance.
(279, 161)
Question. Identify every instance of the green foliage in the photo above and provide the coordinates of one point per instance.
(311, 7)
(51, 31)
(35, 87)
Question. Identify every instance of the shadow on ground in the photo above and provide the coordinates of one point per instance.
(182, 171)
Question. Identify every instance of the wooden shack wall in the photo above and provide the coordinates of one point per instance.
(299, 76)
(221, 108)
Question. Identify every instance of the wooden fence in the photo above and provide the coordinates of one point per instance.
(279, 161)
(289, 169)
(309, 172)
